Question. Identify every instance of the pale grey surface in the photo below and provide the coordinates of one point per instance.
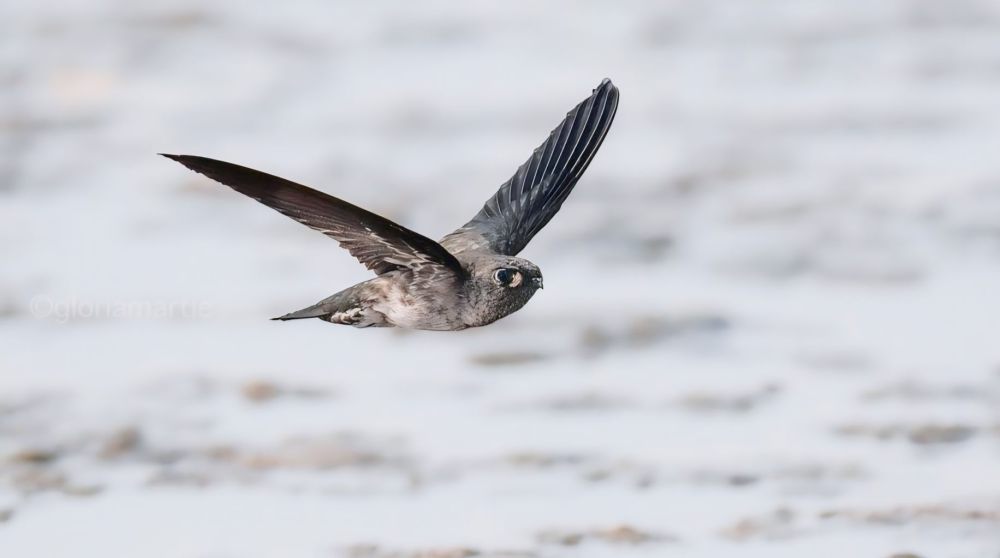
(801, 198)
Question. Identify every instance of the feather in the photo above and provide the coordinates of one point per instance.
(524, 204)
(378, 243)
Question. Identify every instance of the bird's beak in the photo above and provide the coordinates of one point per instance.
(538, 282)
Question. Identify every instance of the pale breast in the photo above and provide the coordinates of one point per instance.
(418, 307)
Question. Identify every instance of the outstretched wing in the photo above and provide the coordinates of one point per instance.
(375, 241)
(526, 202)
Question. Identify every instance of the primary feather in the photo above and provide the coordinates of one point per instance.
(525, 203)
(380, 244)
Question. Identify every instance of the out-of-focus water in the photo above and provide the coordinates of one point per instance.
(771, 314)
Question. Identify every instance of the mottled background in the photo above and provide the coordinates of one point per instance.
(770, 327)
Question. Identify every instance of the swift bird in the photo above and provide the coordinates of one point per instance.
(470, 278)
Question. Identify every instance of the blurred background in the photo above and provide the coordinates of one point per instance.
(770, 326)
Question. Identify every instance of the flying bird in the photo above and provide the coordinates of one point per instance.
(472, 277)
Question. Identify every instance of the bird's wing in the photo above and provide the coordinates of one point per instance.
(526, 202)
(375, 241)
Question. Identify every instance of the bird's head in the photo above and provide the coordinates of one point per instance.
(505, 283)
(514, 274)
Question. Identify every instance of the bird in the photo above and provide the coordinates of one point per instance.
(470, 278)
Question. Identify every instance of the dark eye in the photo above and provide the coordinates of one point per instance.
(504, 276)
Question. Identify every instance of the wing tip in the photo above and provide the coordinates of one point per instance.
(606, 86)
(608, 91)
(203, 165)
(186, 160)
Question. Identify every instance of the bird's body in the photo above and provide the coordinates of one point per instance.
(400, 299)
(392, 300)
(470, 278)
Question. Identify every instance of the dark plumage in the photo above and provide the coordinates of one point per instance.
(472, 277)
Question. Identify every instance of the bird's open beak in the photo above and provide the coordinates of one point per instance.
(538, 282)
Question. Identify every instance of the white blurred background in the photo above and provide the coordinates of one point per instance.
(770, 327)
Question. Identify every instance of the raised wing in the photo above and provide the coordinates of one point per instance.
(526, 202)
(380, 244)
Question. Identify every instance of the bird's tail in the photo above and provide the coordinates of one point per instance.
(324, 309)
(315, 311)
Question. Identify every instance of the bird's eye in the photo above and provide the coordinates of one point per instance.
(507, 277)
(503, 276)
